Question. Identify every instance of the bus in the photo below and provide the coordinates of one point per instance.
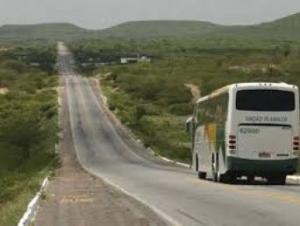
(246, 130)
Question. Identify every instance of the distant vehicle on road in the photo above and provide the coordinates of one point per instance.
(246, 129)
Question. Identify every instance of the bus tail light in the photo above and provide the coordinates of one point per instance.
(296, 146)
(232, 144)
(232, 137)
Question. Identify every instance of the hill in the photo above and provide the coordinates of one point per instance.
(48, 31)
(285, 29)
(148, 29)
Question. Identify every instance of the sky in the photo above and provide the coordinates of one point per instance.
(98, 14)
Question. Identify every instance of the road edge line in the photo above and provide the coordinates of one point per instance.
(175, 162)
(33, 205)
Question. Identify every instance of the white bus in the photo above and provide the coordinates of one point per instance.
(246, 129)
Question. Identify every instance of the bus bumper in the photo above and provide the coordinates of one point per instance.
(261, 167)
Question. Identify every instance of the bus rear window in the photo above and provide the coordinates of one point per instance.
(265, 100)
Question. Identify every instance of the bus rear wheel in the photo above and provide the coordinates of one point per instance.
(250, 179)
(201, 175)
(214, 168)
(227, 178)
(277, 180)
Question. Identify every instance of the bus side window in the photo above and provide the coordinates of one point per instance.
(200, 113)
(221, 103)
(190, 125)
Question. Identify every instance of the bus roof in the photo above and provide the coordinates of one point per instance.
(226, 89)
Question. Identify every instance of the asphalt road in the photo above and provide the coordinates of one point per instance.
(174, 192)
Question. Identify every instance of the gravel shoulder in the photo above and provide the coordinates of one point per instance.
(74, 197)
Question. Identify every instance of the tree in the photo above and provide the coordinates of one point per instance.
(21, 130)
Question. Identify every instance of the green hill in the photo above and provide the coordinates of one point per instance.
(285, 29)
(48, 31)
(289, 22)
(148, 29)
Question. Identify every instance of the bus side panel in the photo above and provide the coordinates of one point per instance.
(211, 115)
(210, 140)
(202, 148)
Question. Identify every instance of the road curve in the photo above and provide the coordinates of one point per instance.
(174, 192)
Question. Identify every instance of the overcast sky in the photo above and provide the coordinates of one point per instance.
(98, 14)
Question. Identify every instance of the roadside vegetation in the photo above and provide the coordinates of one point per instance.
(28, 126)
(154, 99)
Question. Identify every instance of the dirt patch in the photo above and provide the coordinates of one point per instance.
(264, 68)
(75, 197)
(3, 91)
(195, 91)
